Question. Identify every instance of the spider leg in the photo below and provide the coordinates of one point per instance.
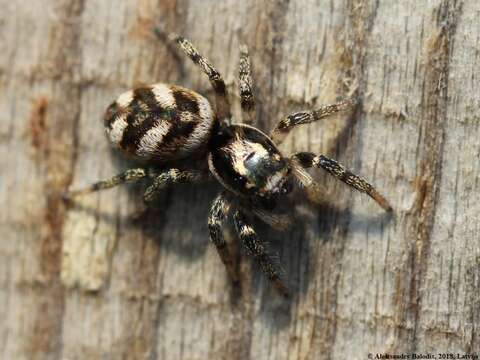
(279, 222)
(172, 176)
(283, 127)
(129, 175)
(315, 192)
(216, 80)
(245, 76)
(307, 159)
(264, 209)
(257, 248)
(216, 219)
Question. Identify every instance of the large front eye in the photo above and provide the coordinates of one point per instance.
(251, 159)
(287, 186)
(254, 163)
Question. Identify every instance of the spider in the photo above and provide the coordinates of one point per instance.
(161, 125)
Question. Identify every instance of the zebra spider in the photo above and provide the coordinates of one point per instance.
(162, 124)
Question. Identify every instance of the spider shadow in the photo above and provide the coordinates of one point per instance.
(177, 218)
(312, 223)
(177, 221)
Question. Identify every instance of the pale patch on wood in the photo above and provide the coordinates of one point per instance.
(87, 251)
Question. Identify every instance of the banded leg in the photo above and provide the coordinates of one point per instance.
(264, 209)
(128, 176)
(315, 192)
(246, 94)
(218, 213)
(257, 248)
(216, 80)
(307, 160)
(172, 176)
(283, 127)
(279, 222)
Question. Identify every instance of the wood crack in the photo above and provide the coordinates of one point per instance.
(57, 160)
(439, 49)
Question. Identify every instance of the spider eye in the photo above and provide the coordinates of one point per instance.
(287, 187)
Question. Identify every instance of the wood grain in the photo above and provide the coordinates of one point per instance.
(92, 281)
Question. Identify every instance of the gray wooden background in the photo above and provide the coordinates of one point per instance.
(94, 282)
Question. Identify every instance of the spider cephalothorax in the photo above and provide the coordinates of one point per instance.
(162, 124)
(247, 162)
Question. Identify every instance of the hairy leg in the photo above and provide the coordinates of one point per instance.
(265, 210)
(283, 127)
(307, 159)
(257, 248)
(216, 80)
(169, 177)
(280, 222)
(216, 219)
(129, 175)
(246, 95)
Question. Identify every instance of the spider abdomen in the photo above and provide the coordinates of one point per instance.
(159, 122)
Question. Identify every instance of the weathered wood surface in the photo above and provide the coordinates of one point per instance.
(90, 282)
